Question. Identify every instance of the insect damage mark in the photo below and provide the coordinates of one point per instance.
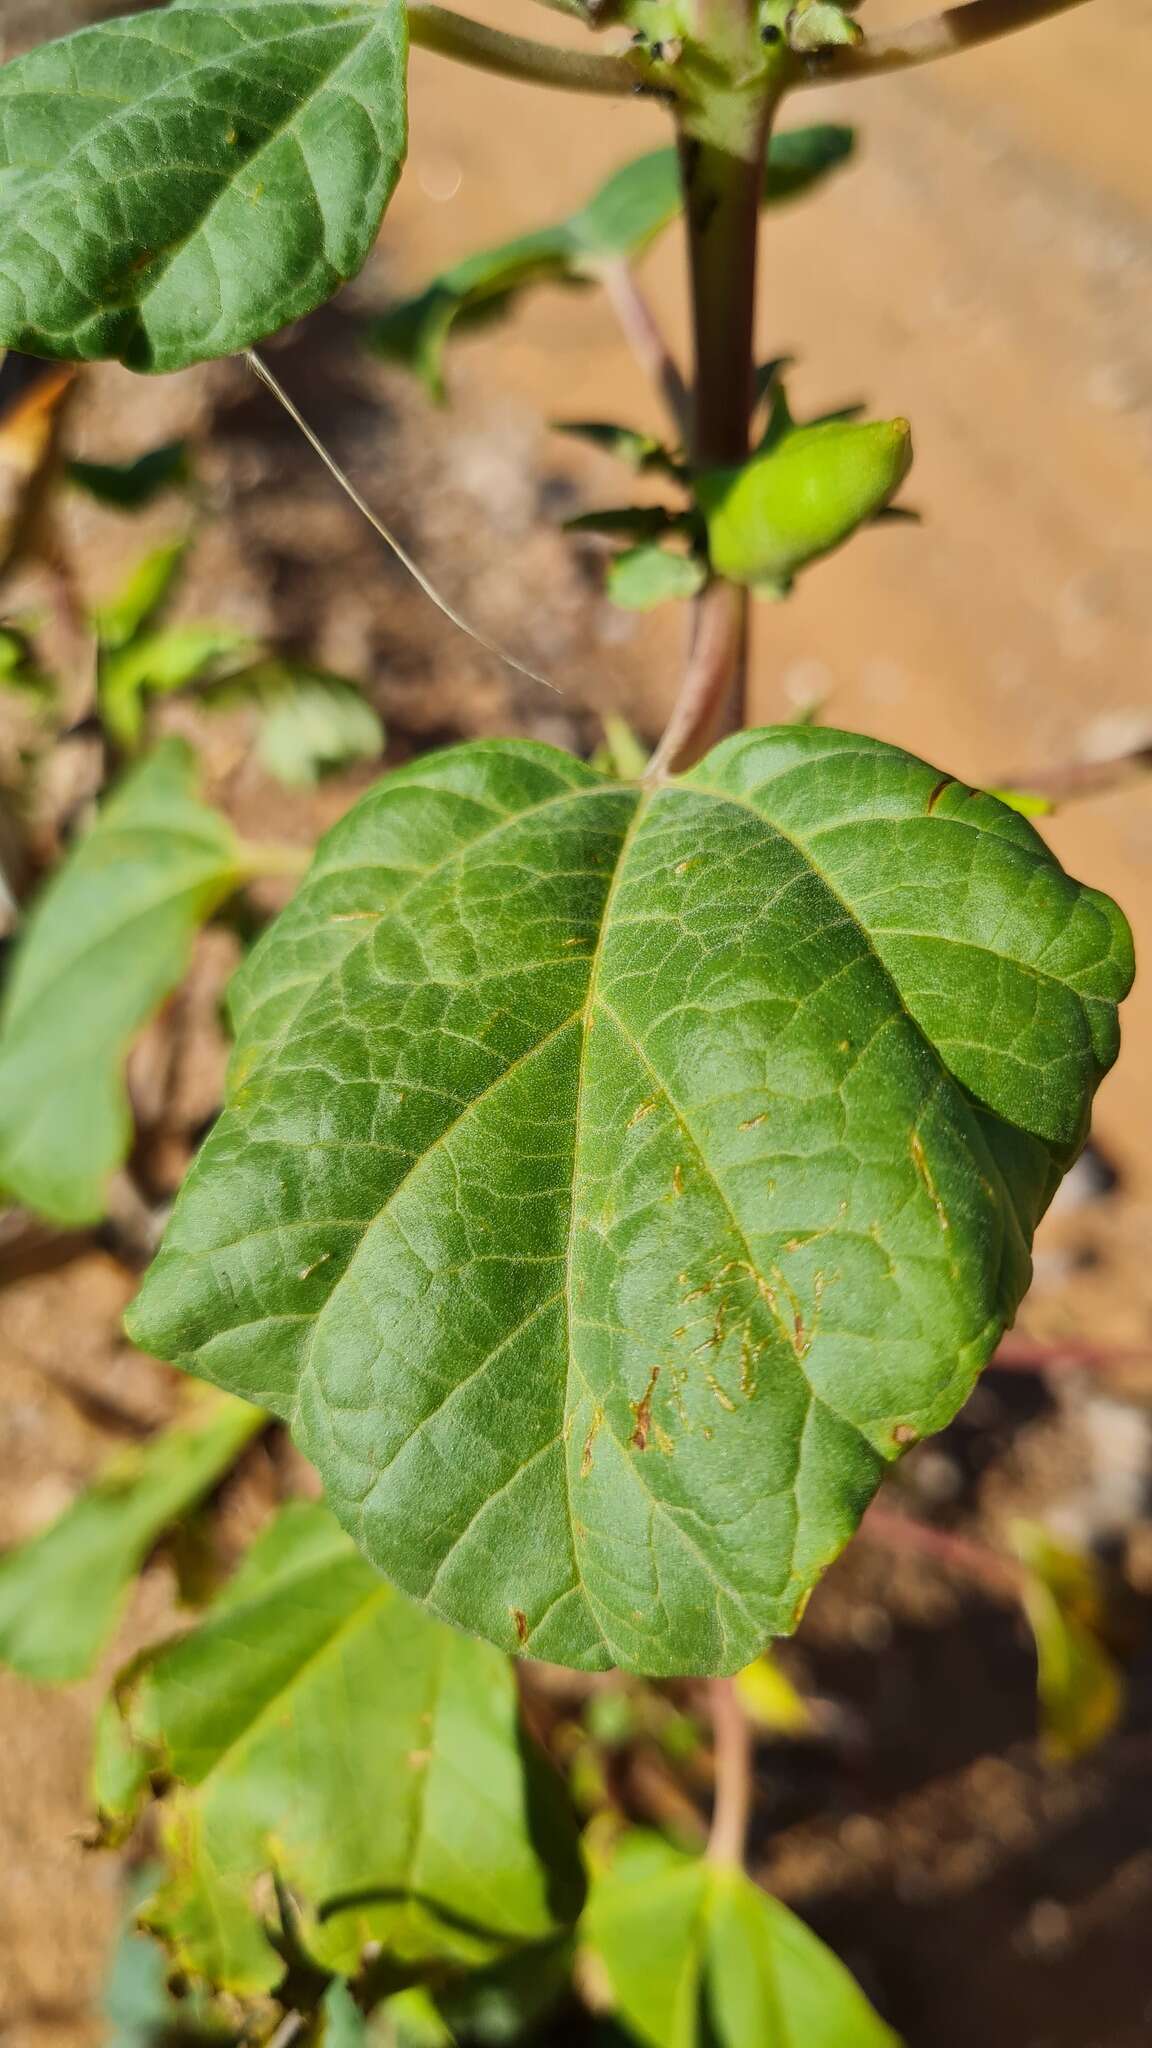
(642, 1412)
(936, 792)
(642, 1110)
(520, 1624)
(924, 1174)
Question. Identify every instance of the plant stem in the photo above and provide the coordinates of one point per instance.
(490, 49)
(934, 35)
(722, 171)
(732, 1749)
(260, 861)
(1000, 1576)
(642, 332)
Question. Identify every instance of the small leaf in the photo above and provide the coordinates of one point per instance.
(697, 1956)
(21, 672)
(314, 724)
(1079, 1683)
(610, 1178)
(177, 185)
(61, 1594)
(799, 158)
(1028, 802)
(620, 754)
(155, 664)
(642, 578)
(146, 590)
(801, 497)
(627, 522)
(324, 1729)
(641, 452)
(107, 940)
(133, 486)
(629, 211)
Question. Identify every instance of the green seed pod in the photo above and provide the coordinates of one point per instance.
(801, 498)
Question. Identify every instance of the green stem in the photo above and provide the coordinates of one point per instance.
(490, 49)
(260, 861)
(722, 143)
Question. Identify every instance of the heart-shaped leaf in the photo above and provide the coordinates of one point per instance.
(179, 184)
(613, 1181)
(318, 1727)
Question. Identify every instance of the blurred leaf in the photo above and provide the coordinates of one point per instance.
(509, 2000)
(634, 206)
(641, 452)
(770, 1699)
(310, 723)
(20, 671)
(413, 2021)
(1079, 1684)
(147, 588)
(109, 937)
(315, 724)
(61, 1594)
(155, 664)
(698, 1957)
(642, 578)
(132, 486)
(808, 489)
(138, 2006)
(627, 522)
(344, 2025)
(324, 1728)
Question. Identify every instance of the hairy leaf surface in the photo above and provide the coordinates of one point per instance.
(107, 941)
(320, 1727)
(612, 1182)
(699, 1957)
(179, 184)
(62, 1592)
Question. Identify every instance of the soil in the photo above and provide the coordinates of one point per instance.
(986, 268)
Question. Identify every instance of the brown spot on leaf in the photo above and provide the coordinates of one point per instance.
(520, 1624)
(905, 1434)
(937, 791)
(642, 1411)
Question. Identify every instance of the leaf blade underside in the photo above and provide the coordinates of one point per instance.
(613, 1182)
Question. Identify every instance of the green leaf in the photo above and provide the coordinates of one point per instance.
(628, 522)
(176, 185)
(323, 1728)
(314, 724)
(642, 578)
(61, 1594)
(613, 1181)
(628, 212)
(133, 486)
(815, 25)
(156, 664)
(138, 2006)
(109, 938)
(21, 672)
(641, 452)
(146, 590)
(1080, 1686)
(801, 497)
(698, 1957)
